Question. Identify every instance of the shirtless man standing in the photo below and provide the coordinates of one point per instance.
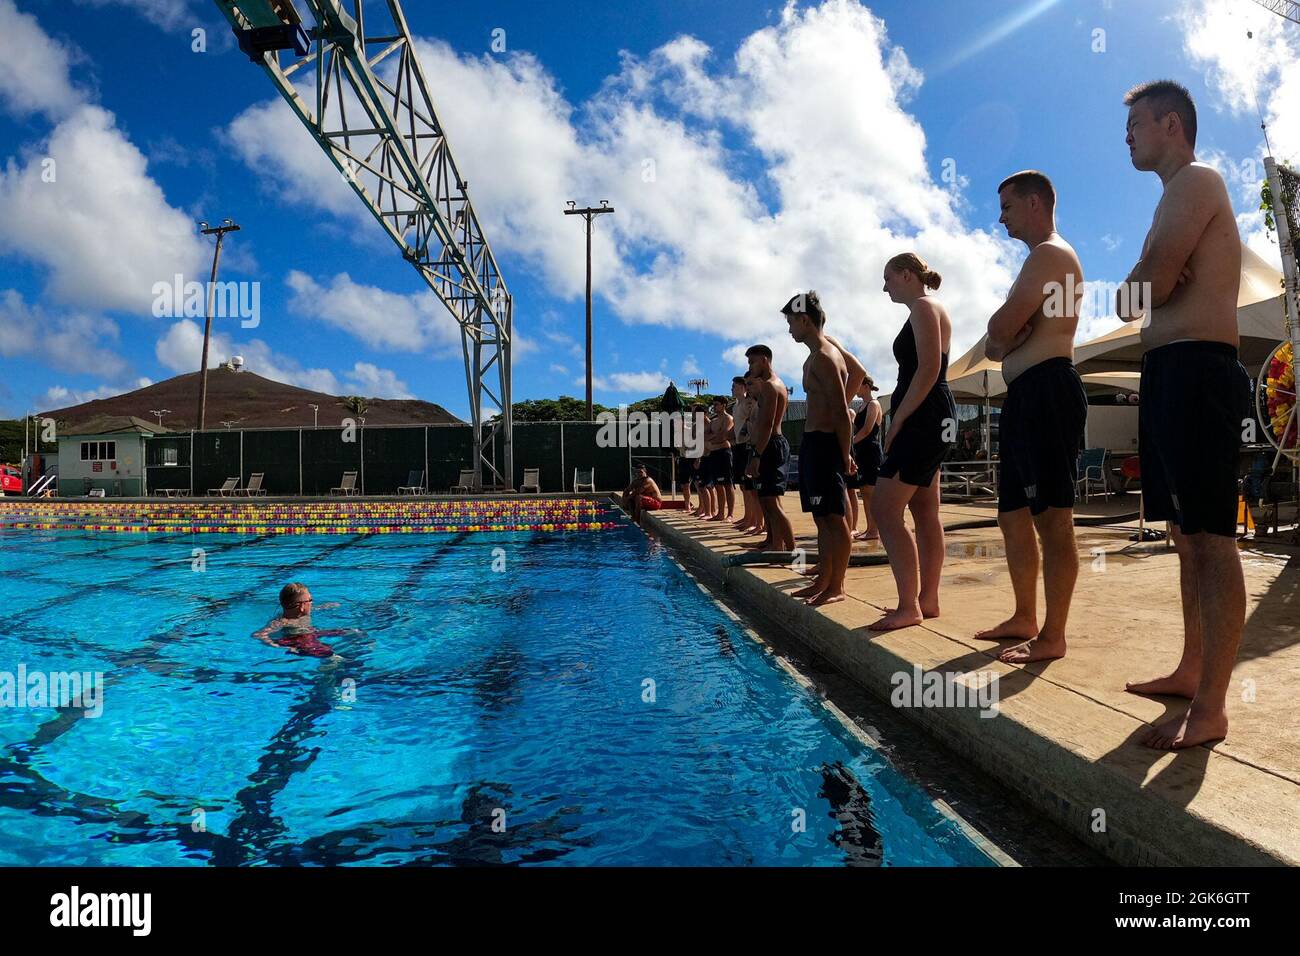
(826, 454)
(1195, 402)
(771, 449)
(1042, 422)
(717, 453)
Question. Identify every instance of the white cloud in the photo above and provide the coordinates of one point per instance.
(383, 320)
(815, 104)
(557, 369)
(167, 14)
(690, 366)
(1242, 69)
(58, 396)
(103, 228)
(34, 68)
(371, 381)
(627, 382)
(70, 341)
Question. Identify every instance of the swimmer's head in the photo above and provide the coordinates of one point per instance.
(738, 387)
(1161, 121)
(907, 277)
(295, 599)
(868, 386)
(719, 404)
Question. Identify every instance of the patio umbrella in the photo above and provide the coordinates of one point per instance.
(976, 378)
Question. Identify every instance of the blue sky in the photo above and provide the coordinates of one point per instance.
(803, 161)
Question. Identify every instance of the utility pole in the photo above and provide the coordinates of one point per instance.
(160, 412)
(697, 384)
(315, 409)
(220, 232)
(589, 214)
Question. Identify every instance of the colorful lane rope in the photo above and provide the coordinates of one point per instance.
(350, 518)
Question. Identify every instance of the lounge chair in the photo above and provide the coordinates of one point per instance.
(532, 481)
(414, 484)
(348, 486)
(228, 488)
(254, 487)
(584, 479)
(466, 483)
(1092, 468)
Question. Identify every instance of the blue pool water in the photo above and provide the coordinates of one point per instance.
(479, 714)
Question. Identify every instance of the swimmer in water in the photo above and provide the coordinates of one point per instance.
(292, 627)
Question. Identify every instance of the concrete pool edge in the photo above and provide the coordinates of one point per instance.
(1142, 824)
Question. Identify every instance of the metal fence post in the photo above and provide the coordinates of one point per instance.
(562, 471)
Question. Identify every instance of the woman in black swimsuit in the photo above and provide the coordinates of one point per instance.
(868, 453)
(922, 428)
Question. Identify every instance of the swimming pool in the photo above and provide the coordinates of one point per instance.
(502, 698)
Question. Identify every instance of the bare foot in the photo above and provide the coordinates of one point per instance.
(1039, 649)
(714, 518)
(866, 536)
(897, 619)
(1178, 684)
(812, 572)
(926, 611)
(809, 591)
(763, 545)
(1021, 629)
(826, 597)
(1187, 730)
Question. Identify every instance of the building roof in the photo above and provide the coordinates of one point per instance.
(115, 424)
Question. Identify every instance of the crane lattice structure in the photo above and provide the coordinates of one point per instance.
(366, 103)
(1289, 9)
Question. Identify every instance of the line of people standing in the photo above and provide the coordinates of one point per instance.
(1194, 415)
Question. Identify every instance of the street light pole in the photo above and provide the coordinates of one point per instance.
(220, 232)
(589, 214)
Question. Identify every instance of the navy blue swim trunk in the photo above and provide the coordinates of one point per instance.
(821, 475)
(868, 455)
(1039, 434)
(740, 456)
(1194, 408)
(921, 444)
(718, 465)
(695, 473)
(773, 468)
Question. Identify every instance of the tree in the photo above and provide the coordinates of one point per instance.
(355, 404)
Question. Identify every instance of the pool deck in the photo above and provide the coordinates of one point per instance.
(1065, 735)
